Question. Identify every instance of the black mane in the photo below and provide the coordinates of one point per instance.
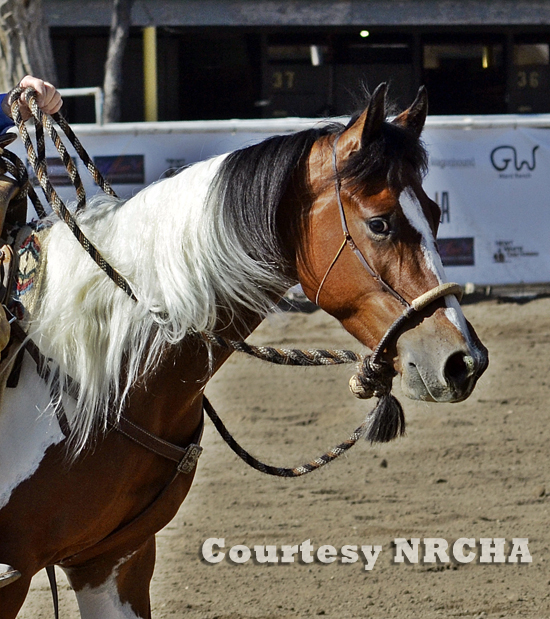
(251, 181)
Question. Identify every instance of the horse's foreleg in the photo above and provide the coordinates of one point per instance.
(12, 597)
(123, 593)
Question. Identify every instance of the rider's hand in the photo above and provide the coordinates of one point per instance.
(49, 100)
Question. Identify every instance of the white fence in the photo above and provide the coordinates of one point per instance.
(490, 175)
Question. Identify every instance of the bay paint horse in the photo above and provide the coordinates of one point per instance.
(210, 249)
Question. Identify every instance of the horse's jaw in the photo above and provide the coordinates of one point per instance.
(438, 364)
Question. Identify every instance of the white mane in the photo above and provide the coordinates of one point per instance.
(183, 261)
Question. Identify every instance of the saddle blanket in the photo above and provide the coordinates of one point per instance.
(29, 264)
(29, 248)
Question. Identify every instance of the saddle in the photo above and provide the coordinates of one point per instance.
(13, 211)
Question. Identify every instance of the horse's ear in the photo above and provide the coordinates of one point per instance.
(375, 115)
(368, 126)
(414, 117)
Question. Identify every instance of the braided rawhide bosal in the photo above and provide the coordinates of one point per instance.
(375, 376)
(38, 162)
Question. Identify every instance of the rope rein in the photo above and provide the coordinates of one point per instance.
(277, 471)
(39, 165)
(374, 378)
(286, 356)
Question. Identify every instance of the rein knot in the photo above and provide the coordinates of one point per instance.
(373, 379)
(387, 420)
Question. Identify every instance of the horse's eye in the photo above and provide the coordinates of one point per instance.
(379, 226)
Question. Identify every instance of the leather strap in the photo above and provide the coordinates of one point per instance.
(348, 239)
(186, 457)
(50, 570)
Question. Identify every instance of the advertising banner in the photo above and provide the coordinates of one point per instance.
(492, 184)
(492, 188)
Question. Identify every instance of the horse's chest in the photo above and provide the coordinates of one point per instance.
(27, 429)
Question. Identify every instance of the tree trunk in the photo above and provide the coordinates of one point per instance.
(25, 45)
(112, 86)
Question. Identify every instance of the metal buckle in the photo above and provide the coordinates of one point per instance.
(189, 460)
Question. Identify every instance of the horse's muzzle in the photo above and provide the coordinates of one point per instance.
(436, 368)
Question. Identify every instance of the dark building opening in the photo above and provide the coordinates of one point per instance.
(260, 72)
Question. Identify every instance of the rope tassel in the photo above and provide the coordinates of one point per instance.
(387, 420)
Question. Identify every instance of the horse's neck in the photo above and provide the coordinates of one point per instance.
(194, 292)
(169, 401)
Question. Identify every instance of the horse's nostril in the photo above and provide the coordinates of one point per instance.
(459, 368)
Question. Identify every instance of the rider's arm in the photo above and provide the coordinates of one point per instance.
(5, 121)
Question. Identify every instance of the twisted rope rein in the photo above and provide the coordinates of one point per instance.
(373, 379)
(17, 169)
(291, 357)
(286, 356)
(278, 471)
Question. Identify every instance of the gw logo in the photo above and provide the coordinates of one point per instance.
(502, 156)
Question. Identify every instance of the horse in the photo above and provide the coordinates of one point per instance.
(338, 208)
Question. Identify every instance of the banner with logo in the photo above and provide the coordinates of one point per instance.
(492, 184)
(492, 187)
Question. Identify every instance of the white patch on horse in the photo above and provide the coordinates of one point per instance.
(414, 213)
(104, 602)
(455, 316)
(27, 429)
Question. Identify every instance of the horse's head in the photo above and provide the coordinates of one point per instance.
(371, 251)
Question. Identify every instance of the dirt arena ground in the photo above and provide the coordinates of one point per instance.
(478, 469)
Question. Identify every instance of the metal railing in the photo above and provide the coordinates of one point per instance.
(94, 91)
